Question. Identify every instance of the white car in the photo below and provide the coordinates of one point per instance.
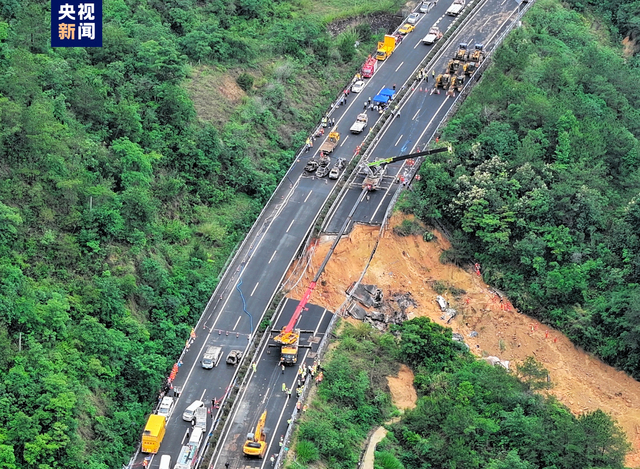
(357, 86)
(413, 18)
(424, 7)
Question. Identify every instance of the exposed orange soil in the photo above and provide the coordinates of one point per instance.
(408, 264)
(403, 394)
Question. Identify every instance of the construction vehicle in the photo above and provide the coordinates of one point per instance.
(478, 54)
(153, 433)
(469, 68)
(369, 67)
(330, 143)
(360, 124)
(461, 53)
(443, 81)
(457, 82)
(376, 169)
(455, 8)
(386, 47)
(453, 66)
(256, 444)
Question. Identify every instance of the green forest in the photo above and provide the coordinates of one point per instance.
(469, 414)
(543, 189)
(119, 206)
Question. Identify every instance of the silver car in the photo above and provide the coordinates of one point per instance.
(413, 18)
(424, 7)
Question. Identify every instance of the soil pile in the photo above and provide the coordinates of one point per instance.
(489, 326)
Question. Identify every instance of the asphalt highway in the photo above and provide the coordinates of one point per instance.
(253, 277)
(264, 392)
(422, 111)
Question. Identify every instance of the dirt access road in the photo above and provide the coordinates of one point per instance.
(408, 264)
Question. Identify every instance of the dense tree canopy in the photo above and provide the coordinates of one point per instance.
(118, 207)
(544, 186)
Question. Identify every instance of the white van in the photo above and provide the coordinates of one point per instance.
(190, 413)
(165, 462)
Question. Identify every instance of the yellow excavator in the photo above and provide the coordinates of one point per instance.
(256, 444)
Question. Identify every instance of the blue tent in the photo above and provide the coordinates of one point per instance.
(380, 98)
(387, 92)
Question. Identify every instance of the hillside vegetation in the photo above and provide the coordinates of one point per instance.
(118, 207)
(544, 187)
(469, 414)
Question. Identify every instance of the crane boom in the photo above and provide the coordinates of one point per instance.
(287, 336)
(393, 159)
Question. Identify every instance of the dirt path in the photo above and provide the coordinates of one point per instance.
(408, 264)
(403, 396)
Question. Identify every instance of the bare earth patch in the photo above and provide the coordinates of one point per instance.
(215, 95)
(403, 394)
(408, 264)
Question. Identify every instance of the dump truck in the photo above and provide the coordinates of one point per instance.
(153, 433)
(369, 67)
(386, 47)
(360, 124)
(256, 444)
(461, 52)
(455, 8)
(330, 143)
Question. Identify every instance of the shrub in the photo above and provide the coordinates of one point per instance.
(245, 81)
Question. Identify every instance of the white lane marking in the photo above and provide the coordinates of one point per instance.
(388, 191)
(274, 252)
(305, 199)
(489, 19)
(290, 225)
(418, 43)
(401, 63)
(345, 139)
(416, 115)
(202, 396)
(254, 289)
(236, 324)
(398, 141)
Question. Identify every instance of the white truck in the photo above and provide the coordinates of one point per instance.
(456, 7)
(201, 418)
(360, 124)
(211, 357)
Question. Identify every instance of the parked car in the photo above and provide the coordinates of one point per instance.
(357, 86)
(406, 28)
(413, 18)
(424, 7)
